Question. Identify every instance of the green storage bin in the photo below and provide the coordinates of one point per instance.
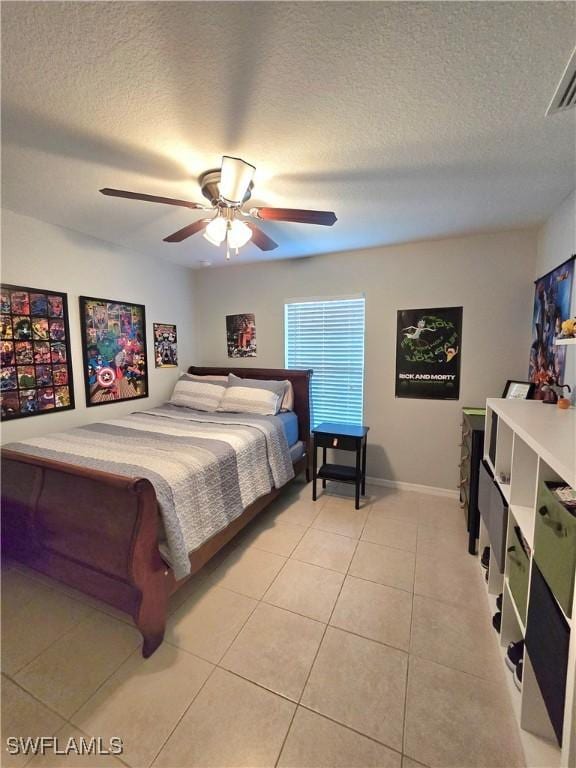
(555, 546)
(518, 574)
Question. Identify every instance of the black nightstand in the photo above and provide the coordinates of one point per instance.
(344, 437)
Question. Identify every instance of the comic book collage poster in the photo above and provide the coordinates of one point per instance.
(114, 348)
(35, 362)
(552, 300)
(428, 352)
(165, 345)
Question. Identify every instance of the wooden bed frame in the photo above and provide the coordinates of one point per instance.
(98, 532)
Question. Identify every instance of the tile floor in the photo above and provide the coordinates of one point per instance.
(322, 637)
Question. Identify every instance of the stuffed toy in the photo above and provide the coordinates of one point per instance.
(569, 328)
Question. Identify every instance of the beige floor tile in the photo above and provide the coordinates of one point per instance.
(398, 506)
(407, 762)
(391, 567)
(374, 611)
(298, 512)
(17, 590)
(440, 511)
(248, 571)
(342, 519)
(143, 700)
(231, 723)
(441, 705)
(275, 649)
(51, 613)
(82, 597)
(273, 536)
(207, 623)
(67, 673)
(380, 529)
(456, 580)
(315, 742)
(359, 683)
(442, 540)
(23, 716)
(328, 550)
(187, 590)
(305, 589)
(74, 760)
(458, 637)
(341, 496)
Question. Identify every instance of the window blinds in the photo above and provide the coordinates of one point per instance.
(328, 336)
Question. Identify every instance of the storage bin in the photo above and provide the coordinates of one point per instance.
(498, 525)
(555, 546)
(547, 644)
(494, 512)
(518, 573)
(485, 484)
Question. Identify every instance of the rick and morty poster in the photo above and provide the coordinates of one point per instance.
(428, 351)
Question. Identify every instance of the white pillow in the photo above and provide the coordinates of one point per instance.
(203, 395)
(288, 399)
(252, 396)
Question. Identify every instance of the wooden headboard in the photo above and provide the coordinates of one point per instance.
(300, 383)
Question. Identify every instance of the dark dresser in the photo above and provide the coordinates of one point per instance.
(472, 449)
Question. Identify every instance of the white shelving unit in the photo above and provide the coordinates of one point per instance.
(534, 442)
(564, 342)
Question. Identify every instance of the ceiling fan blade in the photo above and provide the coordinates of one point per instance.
(324, 218)
(235, 178)
(261, 239)
(150, 198)
(188, 231)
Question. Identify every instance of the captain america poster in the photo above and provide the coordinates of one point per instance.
(428, 352)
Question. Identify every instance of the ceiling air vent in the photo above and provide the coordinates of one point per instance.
(565, 96)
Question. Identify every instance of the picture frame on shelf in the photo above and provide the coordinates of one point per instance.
(518, 390)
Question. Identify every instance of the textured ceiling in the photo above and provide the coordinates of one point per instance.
(409, 120)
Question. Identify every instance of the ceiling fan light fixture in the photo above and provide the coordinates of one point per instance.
(215, 231)
(238, 234)
(235, 178)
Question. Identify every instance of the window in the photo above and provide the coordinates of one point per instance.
(328, 336)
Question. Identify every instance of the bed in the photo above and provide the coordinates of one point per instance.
(109, 533)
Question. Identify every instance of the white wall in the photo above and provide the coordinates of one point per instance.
(556, 243)
(40, 255)
(491, 276)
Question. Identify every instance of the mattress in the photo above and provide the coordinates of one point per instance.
(289, 422)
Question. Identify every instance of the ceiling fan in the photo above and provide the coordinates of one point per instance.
(227, 189)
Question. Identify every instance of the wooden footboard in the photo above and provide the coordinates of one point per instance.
(93, 530)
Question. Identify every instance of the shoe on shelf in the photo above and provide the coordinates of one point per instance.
(499, 602)
(497, 621)
(485, 559)
(518, 674)
(514, 654)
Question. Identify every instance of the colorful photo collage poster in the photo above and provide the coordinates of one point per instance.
(35, 362)
(114, 347)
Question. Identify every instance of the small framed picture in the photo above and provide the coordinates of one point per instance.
(518, 390)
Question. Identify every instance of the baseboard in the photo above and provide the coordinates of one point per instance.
(429, 489)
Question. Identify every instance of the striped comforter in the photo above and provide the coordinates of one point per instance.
(206, 468)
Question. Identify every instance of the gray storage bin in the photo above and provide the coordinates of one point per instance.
(485, 484)
(498, 525)
(518, 573)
